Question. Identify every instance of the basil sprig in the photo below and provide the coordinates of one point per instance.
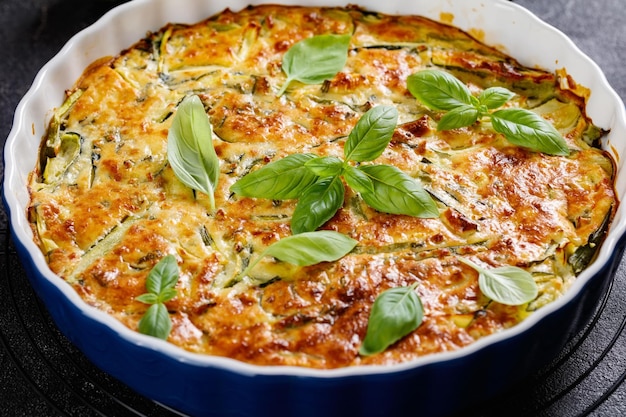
(317, 181)
(507, 284)
(314, 60)
(306, 249)
(395, 313)
(441, 91)
(190, 150)
(160, 284)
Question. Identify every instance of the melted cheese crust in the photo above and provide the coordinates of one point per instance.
(109, 207)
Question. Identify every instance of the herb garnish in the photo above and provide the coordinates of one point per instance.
(395, 313)
(398, 311)
(441, 91)
(283, 179)
(306, 249)
(190, 150)
(507, 284)
(160, 285)
(317, 181)
(316, 59)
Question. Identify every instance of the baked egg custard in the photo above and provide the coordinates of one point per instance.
(107, 206)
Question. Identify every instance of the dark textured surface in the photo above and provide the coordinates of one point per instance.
(42, 374)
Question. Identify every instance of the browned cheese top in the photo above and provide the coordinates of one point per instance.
(109, 206)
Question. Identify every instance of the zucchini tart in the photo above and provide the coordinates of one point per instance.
(415, 114)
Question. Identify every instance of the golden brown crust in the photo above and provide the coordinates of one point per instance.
(119, 208)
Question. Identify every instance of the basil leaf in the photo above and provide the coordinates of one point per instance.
(283, 179)
(148, 298)
(308, 248)
(464, 115)
(163, 275)
(397, 193)
(190, 150)
(527, 129)
(439, 90)
(313, 60)
(156, 322)
(326, 166)
(508, 285)
(160, 284)
(167, 294)
(317, 205)
(358, 180)
(371, 135)
(395, 313)
(495, 97)
(311, 248)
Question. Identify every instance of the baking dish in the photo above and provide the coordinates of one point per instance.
(202, 385)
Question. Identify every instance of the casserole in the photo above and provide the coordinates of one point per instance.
(400, 371)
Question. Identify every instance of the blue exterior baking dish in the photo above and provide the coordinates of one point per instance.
(201, 385)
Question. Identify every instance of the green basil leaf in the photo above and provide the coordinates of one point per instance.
(439, 90)
(495, 97)
(395, 313)
(156, 322)
(325, 166)
(317, 205)
(160, 284)
(190, 150)
(315, 59)
(527, 129)
(308, 248)
(311, 248)
(464, 115)
(372, 134)
(508, 285)
(283, 179)
(397, 193)
(163, 275)
(358, 180)
(167, 294)
(148, 298)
